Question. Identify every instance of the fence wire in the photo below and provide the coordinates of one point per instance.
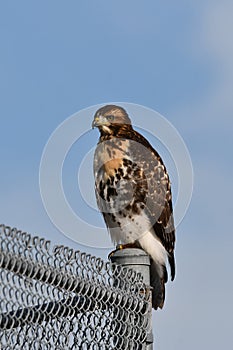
(59, 298)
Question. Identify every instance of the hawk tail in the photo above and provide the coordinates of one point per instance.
(158, 284)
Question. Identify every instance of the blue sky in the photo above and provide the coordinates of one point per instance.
(176, 58)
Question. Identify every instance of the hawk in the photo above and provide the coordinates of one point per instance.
(133, 193)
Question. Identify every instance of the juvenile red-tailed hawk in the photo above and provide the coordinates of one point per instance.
(134, 194)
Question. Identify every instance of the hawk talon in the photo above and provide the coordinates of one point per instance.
(111, 253)
(118, 247)
(121, 247)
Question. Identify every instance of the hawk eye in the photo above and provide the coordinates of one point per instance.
(110, 117)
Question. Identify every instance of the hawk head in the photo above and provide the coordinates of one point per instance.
(110, 118)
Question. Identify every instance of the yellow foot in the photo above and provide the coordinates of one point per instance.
(123, 246)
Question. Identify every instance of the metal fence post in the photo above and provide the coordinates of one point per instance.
(138, 260)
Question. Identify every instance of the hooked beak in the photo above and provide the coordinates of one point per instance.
(94, 124)
(98, 121)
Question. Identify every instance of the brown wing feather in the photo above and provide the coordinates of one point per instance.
(159, 201)
(151, 178)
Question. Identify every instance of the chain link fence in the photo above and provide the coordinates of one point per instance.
(58, 298)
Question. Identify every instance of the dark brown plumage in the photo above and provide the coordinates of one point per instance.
(133, 193)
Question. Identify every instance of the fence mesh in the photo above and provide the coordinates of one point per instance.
(64, 299)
